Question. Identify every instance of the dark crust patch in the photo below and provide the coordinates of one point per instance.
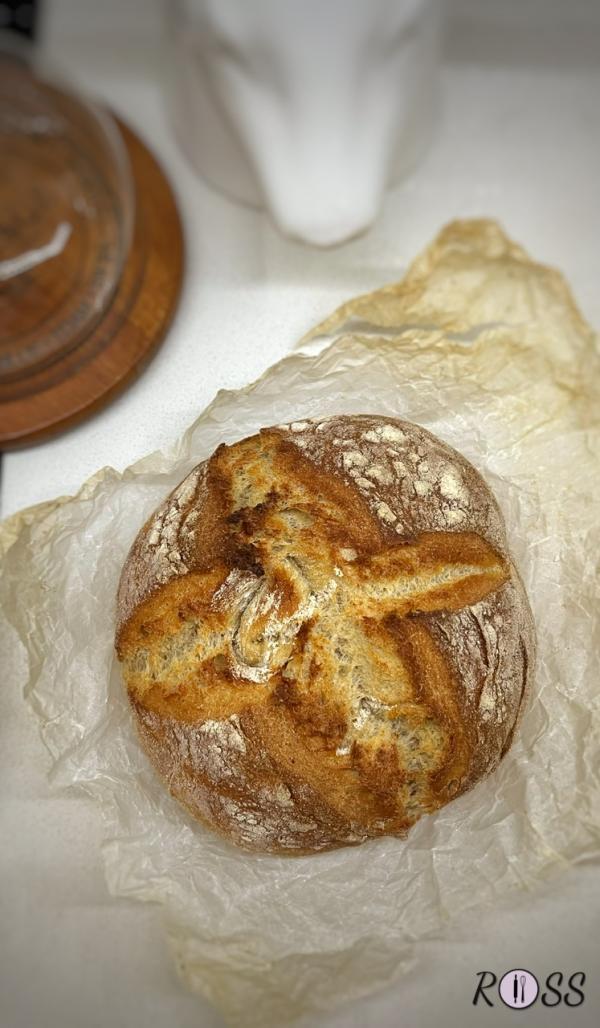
(525, 677)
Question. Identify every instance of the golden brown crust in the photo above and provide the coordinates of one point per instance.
(322, 633)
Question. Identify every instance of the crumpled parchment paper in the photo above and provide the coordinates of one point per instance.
(487, 350)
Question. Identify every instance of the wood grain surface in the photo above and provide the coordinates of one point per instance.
(77, 327)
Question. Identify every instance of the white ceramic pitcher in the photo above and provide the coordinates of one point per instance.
(308, 107)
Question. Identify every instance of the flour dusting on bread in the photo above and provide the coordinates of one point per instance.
(323, 634)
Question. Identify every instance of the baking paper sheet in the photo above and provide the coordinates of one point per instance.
(487, 350)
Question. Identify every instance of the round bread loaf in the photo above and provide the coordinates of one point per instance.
(323, 635)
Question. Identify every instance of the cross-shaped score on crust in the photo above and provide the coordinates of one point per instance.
(307, 618)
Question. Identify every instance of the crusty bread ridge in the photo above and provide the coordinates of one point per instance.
(323, 635)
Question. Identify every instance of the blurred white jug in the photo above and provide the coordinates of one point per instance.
(308, 107)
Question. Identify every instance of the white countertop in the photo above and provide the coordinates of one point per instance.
(519, 140)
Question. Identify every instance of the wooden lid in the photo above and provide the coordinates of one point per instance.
(91, 256)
